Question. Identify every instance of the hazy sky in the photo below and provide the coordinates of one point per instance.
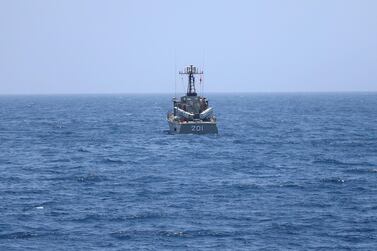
(77, 46)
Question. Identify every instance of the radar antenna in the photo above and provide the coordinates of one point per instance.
(191, 71)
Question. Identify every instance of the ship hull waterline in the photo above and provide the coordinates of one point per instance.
(176, 127)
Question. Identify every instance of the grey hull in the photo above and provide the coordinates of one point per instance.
(192, 127)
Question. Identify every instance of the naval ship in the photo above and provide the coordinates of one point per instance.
(191, 113)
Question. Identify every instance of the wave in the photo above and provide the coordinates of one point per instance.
(97, 217)
(245, 186)
(83, 150)
(338, 162)
(328, 161)
(333, 180)
(18, 235)
(152, 178)
(145, 216)
(361, 170)
(113, 161)
(128, 234)
(91, 178)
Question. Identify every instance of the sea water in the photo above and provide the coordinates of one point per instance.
(93, 172)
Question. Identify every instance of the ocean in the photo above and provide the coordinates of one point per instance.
(100, 172)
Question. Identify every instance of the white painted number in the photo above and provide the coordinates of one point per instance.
(197, 128)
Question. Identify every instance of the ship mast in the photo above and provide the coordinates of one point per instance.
(191, 71)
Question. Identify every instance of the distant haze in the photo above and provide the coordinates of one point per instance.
(135, 46)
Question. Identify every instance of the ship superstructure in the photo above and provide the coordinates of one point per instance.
(191, 113)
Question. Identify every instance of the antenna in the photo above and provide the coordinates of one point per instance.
(175, 75)
(202, 75)
(182, 85)
(202, 84)
(191, 71)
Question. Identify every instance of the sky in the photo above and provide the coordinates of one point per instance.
(90, 46)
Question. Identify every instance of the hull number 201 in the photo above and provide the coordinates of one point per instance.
(197, 128)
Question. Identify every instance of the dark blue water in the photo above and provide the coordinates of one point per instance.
(287, 171)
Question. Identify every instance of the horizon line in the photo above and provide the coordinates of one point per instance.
(170, 93)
